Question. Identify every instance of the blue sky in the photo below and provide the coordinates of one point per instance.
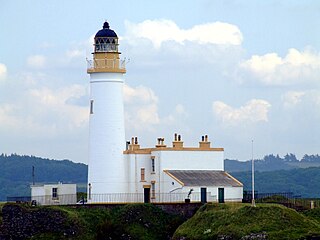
(235, 70)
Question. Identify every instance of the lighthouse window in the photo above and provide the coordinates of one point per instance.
(91, 107)
(152, 165)
(153, 189)
(54, 193)
(142, 175)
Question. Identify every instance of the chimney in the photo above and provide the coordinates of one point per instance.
(204, 144)
(134, 144)
(161, 143)
(177, 143)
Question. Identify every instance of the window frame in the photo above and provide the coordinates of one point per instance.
(142, 175)
(55, 193)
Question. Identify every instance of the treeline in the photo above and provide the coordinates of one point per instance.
(16, 173)
(304, 182)
(273, 162)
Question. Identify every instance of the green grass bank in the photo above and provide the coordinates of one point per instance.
(146, 221)
(241, 221)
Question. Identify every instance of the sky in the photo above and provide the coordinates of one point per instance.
(235, 70)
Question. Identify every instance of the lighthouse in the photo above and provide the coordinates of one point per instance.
(106, 171)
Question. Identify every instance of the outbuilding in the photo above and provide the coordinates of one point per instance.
(51, 194)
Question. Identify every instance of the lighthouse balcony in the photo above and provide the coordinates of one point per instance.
(106, 65)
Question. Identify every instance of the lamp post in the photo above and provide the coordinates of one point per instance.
(252, 171)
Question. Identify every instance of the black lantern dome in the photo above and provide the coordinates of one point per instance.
(106, 32)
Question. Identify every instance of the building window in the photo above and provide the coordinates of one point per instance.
(142, 175)
(153, 168)
(54, 193)
(91, 106)
(89, 191)
(153, 189)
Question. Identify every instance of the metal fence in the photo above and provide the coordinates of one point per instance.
(287, 199)
(140, 198)
(64, 199)
(247, 195)
(121, 198)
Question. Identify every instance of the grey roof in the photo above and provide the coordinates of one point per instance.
(204, 178)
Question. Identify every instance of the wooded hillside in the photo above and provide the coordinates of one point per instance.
(16, 173)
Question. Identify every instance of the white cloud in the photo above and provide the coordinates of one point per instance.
(292, 98)
(141, 107)
(139, 93)
(45, 112)
(142, 110)
(255, 110)
(160, 31)
(295, 67)
(36, 61)
(6, 115)
(75, 53)
(308, 100)
(56, 102)
(3, 71)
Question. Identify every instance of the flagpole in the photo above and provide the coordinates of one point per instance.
(252, 171)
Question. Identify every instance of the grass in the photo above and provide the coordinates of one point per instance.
(134, 221)
(146, 221)
(239, 220)
(1, 205)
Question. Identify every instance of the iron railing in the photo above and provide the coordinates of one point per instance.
(106, 64)
(120, 198)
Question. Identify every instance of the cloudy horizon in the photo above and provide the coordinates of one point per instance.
(235, 71)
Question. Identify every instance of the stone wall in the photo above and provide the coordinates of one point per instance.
(19, 222)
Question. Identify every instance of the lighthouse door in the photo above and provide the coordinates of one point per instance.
(146, 195)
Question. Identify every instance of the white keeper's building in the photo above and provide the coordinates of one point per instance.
(120, 171)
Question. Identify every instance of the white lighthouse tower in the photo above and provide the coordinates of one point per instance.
(106, 173)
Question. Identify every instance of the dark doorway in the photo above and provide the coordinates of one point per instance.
(221, 195)
(203, 195)
(146, 195)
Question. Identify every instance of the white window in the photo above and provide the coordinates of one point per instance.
(91, 106)
(54, 193)
(90, 191)
(153, 189)
(153, 168)
(142, 175)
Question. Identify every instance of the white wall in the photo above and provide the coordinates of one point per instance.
(37, 191)
(66, 194)
(106, 171)
(135, 163)
(234, 194)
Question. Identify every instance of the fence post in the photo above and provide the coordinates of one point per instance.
(312, 204)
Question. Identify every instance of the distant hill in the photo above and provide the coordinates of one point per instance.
(275, 174)
(301, 181)
(272, 163)
(16, 173)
